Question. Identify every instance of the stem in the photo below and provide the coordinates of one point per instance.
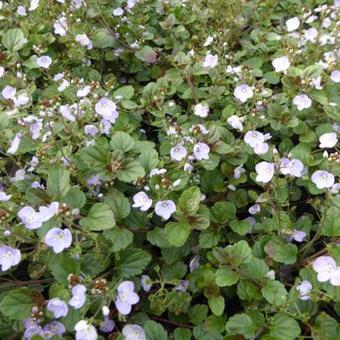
(174, 323)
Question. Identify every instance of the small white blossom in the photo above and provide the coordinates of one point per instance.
(323, 179)
(265, 171)
(311, 34)
(141, 200)
(302, 101)
(201, 110)
(15, 144)
(178, 152)
(21, 10)
(235, 122)
(201, 151)
(328, 140)
(292, 24)
(117, 12)
(281, 64)
(8, 92)
(335, 76)
(304, 288)
(243, 92)
(44, 61)
(210, 61)
(165, 209)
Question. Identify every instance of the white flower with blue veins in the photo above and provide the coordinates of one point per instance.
(265, 171)
(85, 331)
(335, 76)
(304, 289)
(78, 296)
(58, 239)
(302, 102)
(281, 64)
(133, 332)
(58, 307)
(178, 152)
(165, 209)
(201, 151)
(292, 24)
(142, 201)
(323, 179)
(210, 61)
(107, 109)
(235, 122)
(243, 92)
(44, 61)
(201, 110)
(9, 92)
(328, 140)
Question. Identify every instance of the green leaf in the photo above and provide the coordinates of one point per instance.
(149, 159)
(118, 203)
(325, 328)
(240, 227)
(198, 313)
(240, 252)
(189, 201)
(182, 334)
(284, 328)
(154, 331)
(94, 157)
(132, 262)
(61, 266)
(241, 324)
(147, 54)
(126, 92)
(216, 304)
(122, 141)
(280, 251)
(226, 277)
(130, 171)
(14, 39)
(256, 268)
(75, 198)
(120, 238)
(331, 223)
(103, 38)
(158, 238)
(221, 212)
(177, 232)
(93, 263)
(18, 303)
(100, 217)
(58, 182)
(274, 292)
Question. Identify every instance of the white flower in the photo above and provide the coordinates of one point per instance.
(292, 24)
(83, 40)
(146, 282)
(335, 76)
(60, 26)
(292, 167)
(243, 92)
(239, 171)
(265, 171)
(302, 101)
(44, 61)
(327, 270)
(2, 71)
(328, 140)
(210, 61)
(58, 239)
(323, 179)
(253, 138)
(105, 310)
(261, 148)
(21, 10)
(311, 34)
(304, 288)
(107, 109)
(133, 332)
(235, 122)
(201, 110)
(165, 209)
(178, 152)
(281, 64)
(33, 5)
(208, 41)
(117, 12)
(141, 200)
(254, 209)
(85, 331)
(65, 111)
(298, 235)
(8, 92)
(84, 91)
(201, 151)
(15, 144)
(4, 197)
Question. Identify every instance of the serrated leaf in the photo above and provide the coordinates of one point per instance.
(284, 328)
(14, 39)
(154, 331)
(130, 171)
(241, 324)
(226, 277)
(118, 203)
(177, 232)
(216, 304)
(274, 292)
(100, 217)
(132, 262)
(120, 238)
(58, 182)
(61, 266)
(122, 141)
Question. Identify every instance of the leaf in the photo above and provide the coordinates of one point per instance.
(58, 182)
(182, 334)
(17, 304)
(325, 328)
(284, 328)
(154, 331)
(149, 159)
(14, 39)
(147, 54)
(198, 313)
(280, 251)
(274, 292)
(189, 201)
(241, 324)
(240, 252)
(122, 141)
(94, 157)
(126, 92)
(158, 238)
(331, 223)
(256, 268)
(118, 203)
(120, 238)
(103, 38)
(240, 227)
(75, 198)
(216, 304)
(132, 262)
(100, 217)
(177, 232)
(226, 277)
(61, 266)
(130, 171)
(221, 212)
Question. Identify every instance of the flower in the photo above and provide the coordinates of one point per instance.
(84, 40)
(298, 235)
(254, 209)
(235, 122)
(281, 64)
(133, 332)
(78, 296)
(65, 111)
(178, 152)
(107, 325)
(60, 26)
(238, 171)
(58, 307)
(15, 144)
(54, 328)
(30, 218)
(107, 109)
(84, 91)
(261, 148)
(141, 200)
(85, 331)
(335, 76)
(201, 110)
(292, 167)
(327, 270)
(90, 130)
(4, 197)
(146, 282)
(47, 212)
(210, 61)
(311, 34)
(21, 10)
(328, 140)
(165, 208)
(243, 92)
(253, 138)
(194, 263)
(9, 257)
(8, 92)
(44, 61)
(304, 289)
(182, 286)
(33, 5)
(58, 239)
(265, 171)
(126, 297)
(302, 101)
(201, 151)
(323, 179)
(117, 12)
(292, 24)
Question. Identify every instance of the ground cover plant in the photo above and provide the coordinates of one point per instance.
(169, 169)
